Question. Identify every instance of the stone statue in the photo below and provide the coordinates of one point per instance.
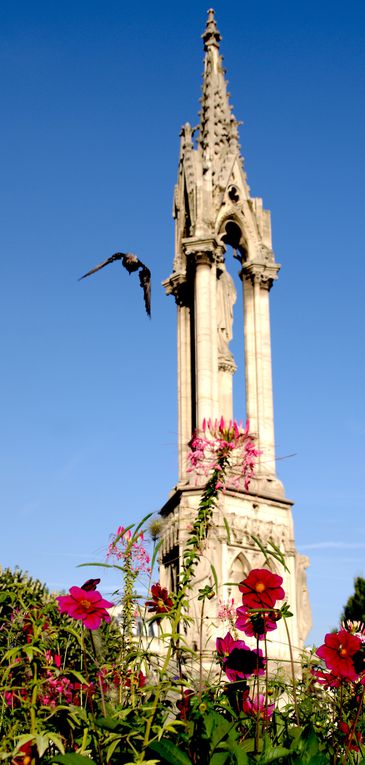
(226, 298)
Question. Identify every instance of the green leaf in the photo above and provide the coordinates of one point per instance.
(72, 759)
(169, 752)
(228, 531)
(219, 758)
(7, 596)
(215, 577)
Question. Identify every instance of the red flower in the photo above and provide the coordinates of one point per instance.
(161, 602)
(137, 679)
(338, 651)
(351, 738)
(261, 589)
(183, 704)
(26, 755)
(327, 679)
(88, 606)
(254, 624)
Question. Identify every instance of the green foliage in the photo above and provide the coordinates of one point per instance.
(354, 609)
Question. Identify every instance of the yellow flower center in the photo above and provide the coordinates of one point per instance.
(342, 651)
(260, 587)
(160, 603)
(85, 604)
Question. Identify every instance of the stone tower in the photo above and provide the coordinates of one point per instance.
(214, 211)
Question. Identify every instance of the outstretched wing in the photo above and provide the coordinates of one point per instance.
(116, 256)
(145, 282)
(131, 263)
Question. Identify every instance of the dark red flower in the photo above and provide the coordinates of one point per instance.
(337, 652)
(137, 679)
(27, 754)
(351, 738)
(183, 704)
(261, 589)
(161, 602)
(90, 584)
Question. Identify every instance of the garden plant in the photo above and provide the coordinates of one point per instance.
(83, 682)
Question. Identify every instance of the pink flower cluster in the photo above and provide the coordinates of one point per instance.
(221, 437)
(122, 545)
(226, 610)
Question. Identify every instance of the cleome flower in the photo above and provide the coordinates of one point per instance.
(261, 589)
(338, 653)
(161, 602)
(88, 606)
(228, 438)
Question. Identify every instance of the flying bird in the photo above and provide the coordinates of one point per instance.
(131, 263)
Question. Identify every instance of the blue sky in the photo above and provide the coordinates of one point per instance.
(93, 97)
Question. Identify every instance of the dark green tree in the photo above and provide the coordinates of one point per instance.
(355, 606)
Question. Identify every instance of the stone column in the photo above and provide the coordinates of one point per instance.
(184, 392)
(257, 280)
(203, 336)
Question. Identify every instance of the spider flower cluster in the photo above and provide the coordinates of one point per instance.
(124, 545)
(229, 439)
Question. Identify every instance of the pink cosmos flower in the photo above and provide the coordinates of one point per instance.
(338, 651)
(257, 706)
(88, 606)
(238, 661)
(327, 679)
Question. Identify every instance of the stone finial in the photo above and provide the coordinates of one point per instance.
(211, 34)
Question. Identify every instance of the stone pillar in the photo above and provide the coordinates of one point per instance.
(203, 337)
(184, 386)
(259, 399)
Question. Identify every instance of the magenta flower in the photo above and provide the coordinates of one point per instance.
(242, 663)
(225, 645)
(254, 624)
(257, 706)
(238, 661)
(87, 606)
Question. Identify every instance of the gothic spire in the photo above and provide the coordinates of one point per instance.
(218, 135)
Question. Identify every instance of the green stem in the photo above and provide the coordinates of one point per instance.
(292, 673)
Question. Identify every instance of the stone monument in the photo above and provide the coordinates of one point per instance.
(214, 211)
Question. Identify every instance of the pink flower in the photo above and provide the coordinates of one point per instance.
(257, 706)
(223, 438)
(124, 545)
(238, 661)
(254, 624)
(226, 609)
(337, 652)
(327, 679)
(88, 606)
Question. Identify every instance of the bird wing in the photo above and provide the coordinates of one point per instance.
(145, 282)
(116, 256)
(131, 262)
